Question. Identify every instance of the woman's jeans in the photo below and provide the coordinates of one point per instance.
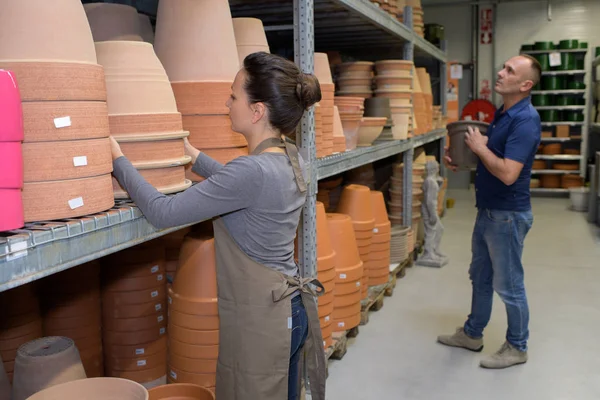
(299, 334)
(497, 247)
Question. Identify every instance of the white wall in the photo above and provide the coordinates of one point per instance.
(457, 28)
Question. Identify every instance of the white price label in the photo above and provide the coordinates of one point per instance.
(358, 284)
(555, 59)
(158, 307)
(170, 300)
(173, 374)
(154, 294)
(154, 269)
(159, 277)
(327, 318)
(375, 230)
(341, 324)
(141, 363)
(80, 161)
(62, 122)
(160, 318)
(342, 276)
(76, 203)
(139, 352)
(162, 331)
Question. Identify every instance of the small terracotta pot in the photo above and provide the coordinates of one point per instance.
(341, 325)
(324, 247)
(31, 366)
(356, 202)
(94, 389)
(348, 300)
(154, 321)
(110, 21)
(393, 67)
(343, 240)
(138, 363)
(196, 276)
(195, 322)
(133, 338)
(181, 391)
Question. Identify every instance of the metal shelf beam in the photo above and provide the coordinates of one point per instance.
(571, 72)
(567, 91)
(558, 157)
(570, 123)
(553, 172)
(582, 51)
(560, 108)
(548, 191)
(558, 139)
(341, 162)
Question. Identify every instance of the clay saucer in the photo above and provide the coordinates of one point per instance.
(195, 365)
(181, 391)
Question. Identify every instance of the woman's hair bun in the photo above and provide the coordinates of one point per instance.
(308, 90)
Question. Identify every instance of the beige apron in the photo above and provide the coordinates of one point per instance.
(255, 319)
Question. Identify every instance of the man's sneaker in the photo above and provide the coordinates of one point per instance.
(461, 339)
(506, 357)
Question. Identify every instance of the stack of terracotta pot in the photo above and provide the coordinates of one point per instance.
(71, 308)
(356, 203)
(399, 246)
(143, 114)
(330, 191)
(339, 140)
(319, 138)
(351, 113)
(172, 243)
(44, 363)
(423, 100)
(379, 257)
(322, 71)
(250, 37)
(194, 314)
(394, 81)
(355, 79)
(20, 322)
(66, 151)
(349, 273)
(201, 66)
(396, 204)
(134, 314)
(110, 21)
(11, 153)
(326, 274)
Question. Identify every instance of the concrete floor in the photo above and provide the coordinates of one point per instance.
(396, 355)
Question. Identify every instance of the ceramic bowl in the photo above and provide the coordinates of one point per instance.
(369, 130)
(195, 40)
(110, 21)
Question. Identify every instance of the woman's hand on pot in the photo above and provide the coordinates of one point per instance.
(115, 149)
(190, 150)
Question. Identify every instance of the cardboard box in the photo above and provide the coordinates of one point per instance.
(562, 131)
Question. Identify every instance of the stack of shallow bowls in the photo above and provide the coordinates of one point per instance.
(323, 74)
(250, 37)
(351, 113)
(379, 258)
(194, 314)
(394, 81)
(399, 245)
(143, 114)
(195, 42)
(326, 273)
(396, 203)
(356, 203)
(72, 309)
(66, 151)
(380, 107)
(110, 21)
(11, 153)
(20, 322)
(349, 272)
(134, 314)
(369, 130)
(355, 79)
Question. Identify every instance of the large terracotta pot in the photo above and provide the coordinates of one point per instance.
(94, 389)
(343, 240)
(10, 108)
(60, 32)
(356, 202)
(44, 363)
(166, 178)
(325, 250)
(212, 132)
(110, 21)
(180, 391)
(250, 37)
(195, 40)
(196, 277)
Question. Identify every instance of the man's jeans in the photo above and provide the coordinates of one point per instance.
(497, 247)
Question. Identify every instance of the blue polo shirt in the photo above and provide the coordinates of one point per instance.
(515, 135)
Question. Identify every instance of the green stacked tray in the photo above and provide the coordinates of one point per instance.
(567, 62)
(568, 44)
(563, 100)
(553, 82)
(550, 115)
(583, 45)
(541, 100)
(544, 60)
(527, 47)
(576, 82)
(543, 46)
(573, 116)
(597, 52)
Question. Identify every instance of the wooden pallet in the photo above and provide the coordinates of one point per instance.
(374, 301)
(338, 348)
(398, 273)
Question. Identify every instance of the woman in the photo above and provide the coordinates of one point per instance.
(267, 312)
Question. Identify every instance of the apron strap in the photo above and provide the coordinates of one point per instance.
(292, 152)
(293, 283)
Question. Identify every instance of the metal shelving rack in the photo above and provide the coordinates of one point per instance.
(43, 249)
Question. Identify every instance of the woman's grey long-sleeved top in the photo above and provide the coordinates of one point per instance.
(256, 196)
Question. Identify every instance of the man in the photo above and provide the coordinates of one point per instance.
(504, 214)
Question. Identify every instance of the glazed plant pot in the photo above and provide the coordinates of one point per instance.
(369, 130)
(181, 391)
(110, 21)
(31, 366)
(461, 155)
(61, 32)
(343, 240)
(195, 40)
(322, 70)
(94, 389)
(11, 112)
(356, 202)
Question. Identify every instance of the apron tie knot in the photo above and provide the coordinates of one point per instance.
(294, 283)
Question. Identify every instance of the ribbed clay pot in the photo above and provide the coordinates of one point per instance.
(250, 37)
(166, 179)
(94, 389)
(180, 391)
(322, 68)
(212, 132)
(195, 40)
(394, 68)
(44, 363)
(110, 21)
(11, 112)
(356, 202)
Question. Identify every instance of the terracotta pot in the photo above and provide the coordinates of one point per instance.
(61, 32)
(196, 276)
(181, 391)
(186, 43)
(146, 30)
(207, 98)
(394, 67)
(146, 377)
(133, 338)
(110, 21)
(111, 299)
(343, 240)
(322, 69)
(250, 37)
(194, 322)
(180, 336)
(203, 352)
(324, 247)
(135, 310)
(356, 202)
(341, 325)
(167, 179)
(369, 130)
(138, 363)
(94, 389)
(212, 132)
(11, 110)
(31, 366)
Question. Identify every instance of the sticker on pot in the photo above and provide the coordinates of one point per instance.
(141, 363)
(162, 331)
(62, 122)
(154, 269)
(139, 352)
(327, 318)
(160, 318)
(173, 374)
(357, 283)
(154, 294)
(289, 322)
(76, 203)
(158, 307)
(342, 276)
(80, 161)
(341, 324)
(159, 277)
(170, 300)
(375, 230)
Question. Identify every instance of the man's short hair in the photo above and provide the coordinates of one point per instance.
(536, 67)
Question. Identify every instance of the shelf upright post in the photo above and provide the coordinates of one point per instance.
(407, 156)
(444, 105)
(589, 79)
